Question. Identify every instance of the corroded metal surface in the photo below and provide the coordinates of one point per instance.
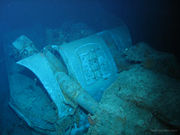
(39, 65)
(90, 62)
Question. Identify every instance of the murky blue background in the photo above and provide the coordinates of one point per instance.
(152, 21)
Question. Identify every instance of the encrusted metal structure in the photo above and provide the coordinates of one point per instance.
(72, 74)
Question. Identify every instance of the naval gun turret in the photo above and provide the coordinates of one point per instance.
(72, 74)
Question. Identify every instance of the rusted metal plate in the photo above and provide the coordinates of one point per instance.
(39, 65)
(90, 62)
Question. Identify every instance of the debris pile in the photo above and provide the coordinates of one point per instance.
(142, 100)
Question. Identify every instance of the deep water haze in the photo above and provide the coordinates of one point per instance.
(153, 21)
(152, 24)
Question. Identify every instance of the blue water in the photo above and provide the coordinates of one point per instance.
(153, 21)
